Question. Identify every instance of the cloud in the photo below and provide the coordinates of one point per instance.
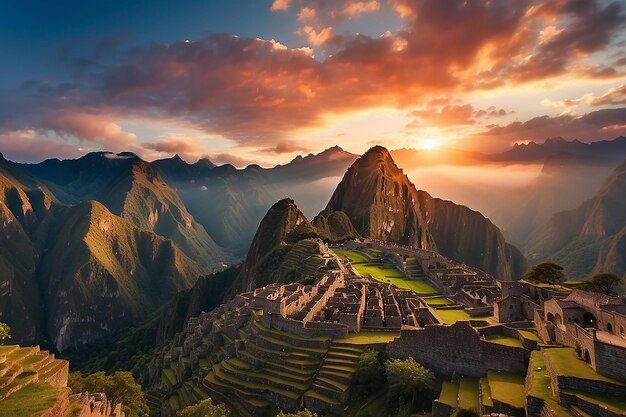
(227, 158)
(280, 5)
(187, 148)
(28, 146)
(600, 124)
(257, 92)
(286, 146)
(450, 114)
(318, 38)
(615, 95)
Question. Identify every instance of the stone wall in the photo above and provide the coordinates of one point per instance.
(442, 410)
(457, 348)
(610, 361)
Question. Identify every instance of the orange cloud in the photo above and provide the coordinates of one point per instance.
(280, 5)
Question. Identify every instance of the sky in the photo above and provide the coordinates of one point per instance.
(252, 81)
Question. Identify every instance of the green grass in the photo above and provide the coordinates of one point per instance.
(449, 393)
(507, 388)
(567, 363)
(539, 385)
(529, 335)
(363, 338)
(505, 340)
(468, 394)
(354, 256)
(438, 301)
(615, 404)
(32, 400)
(452, 316)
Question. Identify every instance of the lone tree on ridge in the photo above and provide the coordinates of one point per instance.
(545, 273)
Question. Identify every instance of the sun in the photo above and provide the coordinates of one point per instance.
(428, 143)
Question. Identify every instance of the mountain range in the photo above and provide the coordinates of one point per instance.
(94, 245)
(590, 238)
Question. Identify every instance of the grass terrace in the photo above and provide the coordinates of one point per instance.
(452, 316)
(365, 262)
(505, 340)
(539, 386)
(468, 394)
(530, 335)
(507, 387)
(32, 400)
(614, 404)
(566, 363)
(438, 301)
(365, 338)
(449, 393)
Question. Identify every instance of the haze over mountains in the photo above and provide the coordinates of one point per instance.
(94, 245)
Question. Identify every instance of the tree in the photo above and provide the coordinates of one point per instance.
(301, 413)
(204, 408)
(5, 331)
(546, 273)
(604, 283)
(369, 375)
(118, 387)
(409, 382)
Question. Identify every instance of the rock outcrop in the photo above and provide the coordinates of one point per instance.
(380, 201)
(383, 204)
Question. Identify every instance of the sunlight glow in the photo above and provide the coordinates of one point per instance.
(428, 143)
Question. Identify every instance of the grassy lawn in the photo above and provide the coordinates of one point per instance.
(615, 404)
(567, 363)
(505, 340)
(384, 273)
(449, 393)
(529, 335)
(31, 400)
(438, 301)
(507, 387)
(363, 338)
(540, 383)
(354, 256)
(468, 394)
(452, 316)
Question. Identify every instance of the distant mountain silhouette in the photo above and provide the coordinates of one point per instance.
(590, 238)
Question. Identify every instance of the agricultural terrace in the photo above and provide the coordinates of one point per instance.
(451, 316)
(368, 262)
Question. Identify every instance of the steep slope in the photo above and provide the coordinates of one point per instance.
(613, 150)
(228, 202)
(100, 274)
(283, 225)
(379, 200)
(588, 238)
(466, 235)
(382, 203)
(523, 210)
(335, 227)
(134, 190)
(23, 208)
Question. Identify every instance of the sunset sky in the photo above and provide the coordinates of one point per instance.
(244, 81)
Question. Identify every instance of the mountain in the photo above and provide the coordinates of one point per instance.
(328, 163)
(382, 203)
(72, 274)
(283, 225)
(589, 238)
(134, 190)
(379, 200)
(230, 202)
(614, 150)
(521, 211)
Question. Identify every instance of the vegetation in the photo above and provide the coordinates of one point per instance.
(452, 316)
(545, 273)
(369, 376)
(409, 383)
(302, 413)
(468, 394)
(118, 387)
(604, 283)
(507, 388)
(464, 412)
(204, 408)
(505, 340)
(5, 331)
(566, 363)
(364, 338)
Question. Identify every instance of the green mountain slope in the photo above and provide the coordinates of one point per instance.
(589, 238)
